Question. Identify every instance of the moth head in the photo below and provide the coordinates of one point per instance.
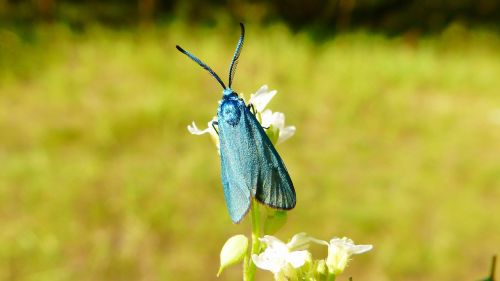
(228, 93)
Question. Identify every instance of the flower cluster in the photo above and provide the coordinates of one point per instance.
(292, 261)
(272, 122)
(282, 259)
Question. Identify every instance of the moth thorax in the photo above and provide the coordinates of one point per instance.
(230, 112)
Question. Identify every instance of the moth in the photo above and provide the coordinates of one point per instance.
(250, 165)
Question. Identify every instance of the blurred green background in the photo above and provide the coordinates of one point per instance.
(396, 104)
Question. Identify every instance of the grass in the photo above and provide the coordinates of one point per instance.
(397, 145)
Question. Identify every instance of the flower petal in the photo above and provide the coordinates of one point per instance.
(279, 120)
(267, 262)
(276, 121)
(343, 242)
(286, 133)
(274, 243)
(193, 129)
(271, 259)
(298, 258)
(261, 98)
(267, 117)
(274, 256)
(319, 241)
(299, 241)
(359, 249)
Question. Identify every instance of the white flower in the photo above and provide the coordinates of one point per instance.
(275, 126)
(292, 261)
(273, 123)
(278, 256)
(340, 251)
(193, 129)
(261, 98)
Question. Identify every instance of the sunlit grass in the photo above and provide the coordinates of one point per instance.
(398, 146)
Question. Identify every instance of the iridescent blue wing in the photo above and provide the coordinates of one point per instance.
(250, 163)
(235, 168)
(236, 193)
(274, 187)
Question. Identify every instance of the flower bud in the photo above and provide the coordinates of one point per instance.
(321, 271)
(233, 251)
(340, 251)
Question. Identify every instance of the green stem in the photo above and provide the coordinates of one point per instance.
(331, 276)
(245, 268)
(248, 266)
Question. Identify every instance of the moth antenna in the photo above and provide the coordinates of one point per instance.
(202, 64)
(236, 56)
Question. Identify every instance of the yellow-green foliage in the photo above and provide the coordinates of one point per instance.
(397, 145)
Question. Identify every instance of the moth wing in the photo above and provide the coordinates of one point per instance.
(250, 163)
(235, 167)
(274, 186)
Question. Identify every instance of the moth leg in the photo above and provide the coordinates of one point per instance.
(252, 108)
(213, 126)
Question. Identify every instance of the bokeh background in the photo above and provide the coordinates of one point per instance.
(396, 104)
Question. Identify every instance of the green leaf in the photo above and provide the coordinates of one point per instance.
(275, 220)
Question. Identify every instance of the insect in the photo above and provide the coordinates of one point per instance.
(250, 165)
